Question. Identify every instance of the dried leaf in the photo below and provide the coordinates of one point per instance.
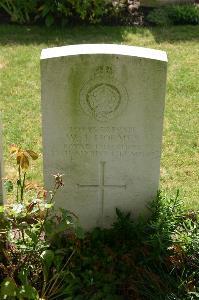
(30, 206)
(24, 162)
(32, 154)
(41, 8)
(42, 194)
(18, 157)
(191, 286)
(23, 156)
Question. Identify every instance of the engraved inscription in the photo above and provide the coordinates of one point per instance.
(103, 97)
(101, 187)
(114, 143)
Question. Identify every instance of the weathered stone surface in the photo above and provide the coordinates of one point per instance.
(102, 111)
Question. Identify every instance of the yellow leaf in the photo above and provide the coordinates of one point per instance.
(24, 162)
(14, 149)
(32, 154)
(41, 8)
(18, 157)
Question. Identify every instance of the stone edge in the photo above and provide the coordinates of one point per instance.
(114, 49)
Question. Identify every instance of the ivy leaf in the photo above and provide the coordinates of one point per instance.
(28, 292)
(23, 276)
(8, 288)
(47, 257)
(79, 232)
(61, 227)
(32, 235)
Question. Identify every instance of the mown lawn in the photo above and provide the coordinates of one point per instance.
(20, 49)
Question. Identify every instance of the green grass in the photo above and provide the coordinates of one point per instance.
(20, 49)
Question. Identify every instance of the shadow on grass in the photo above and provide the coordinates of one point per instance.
(175, 33)
(169, 34)
(25, 35)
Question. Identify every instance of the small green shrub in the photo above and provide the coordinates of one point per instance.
(36, 240)
(175, 14)
(72, 11)
(45, 255)
(51, 11)
(20, 11)
(184, 14)
(144, 259)
(62, 12)
(159, 17)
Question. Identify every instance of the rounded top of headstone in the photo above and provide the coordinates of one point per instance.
(114, 49)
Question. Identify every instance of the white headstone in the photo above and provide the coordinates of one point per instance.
(1, 167)
(102, 108)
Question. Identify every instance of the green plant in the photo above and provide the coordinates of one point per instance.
(159, 17)
(62, 12)
(175, 14)
(19, 10)
(69, 11)
(184, 14)
(139, 259)
(91, 10)
(33, 257)
(44, 254)
(87, 11)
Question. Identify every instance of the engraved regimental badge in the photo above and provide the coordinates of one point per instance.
(103, 97)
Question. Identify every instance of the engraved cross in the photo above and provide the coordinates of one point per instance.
(101, 186)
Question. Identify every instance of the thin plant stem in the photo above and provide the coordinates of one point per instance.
(55, 278)
(18, 182)
(17, 193)
(19, 171)
(23, 186)
(47, 211)
(56, 290)
(23, 237)
(46, 216)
